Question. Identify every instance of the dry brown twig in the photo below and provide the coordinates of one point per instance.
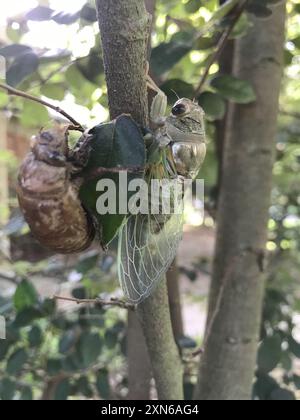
(100, 302)
(11, 91)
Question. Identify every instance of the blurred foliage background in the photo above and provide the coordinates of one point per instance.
(61, 351)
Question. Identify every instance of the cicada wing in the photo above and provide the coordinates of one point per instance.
(147, 247)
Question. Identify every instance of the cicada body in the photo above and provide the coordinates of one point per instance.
(148, 243)
(48, 196)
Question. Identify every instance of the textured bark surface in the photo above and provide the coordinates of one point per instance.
(154, 315)
(124, 27)
(227, 366)
(125, 32)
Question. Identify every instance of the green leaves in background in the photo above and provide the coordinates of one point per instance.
(25, 296)
(102, 384)
(213, 105)
(119, 143)
(166, 55)
(236, 90)
(23, 66)
(269, 354)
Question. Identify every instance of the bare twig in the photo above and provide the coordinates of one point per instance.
(57, 109)
(98, 301)
(221, 45)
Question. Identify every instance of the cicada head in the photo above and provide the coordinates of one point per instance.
(186, 109)
(51, 146)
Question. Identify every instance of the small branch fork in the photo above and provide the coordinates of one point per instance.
(100, 302)
(221, 45)
(11, 91)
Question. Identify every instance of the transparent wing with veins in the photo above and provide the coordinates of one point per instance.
(147, 247)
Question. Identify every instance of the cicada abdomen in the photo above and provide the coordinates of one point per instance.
(49, 198)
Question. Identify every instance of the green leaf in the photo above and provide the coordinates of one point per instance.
(14, 50)
(26, 317)
(62, 391)
(23, 66)
(192, 6)
(7, 389)
(89, 347)
(294, 347)
(282, 394)
(236, 90)
(115, 144)
(296, 42)
(88, 13)
(54, 366)
(264, 386)
(213, 105)
(87, 264)
(63, 18)
(84, 387)
(269, 354)
(16, 362)
(26, 394)
(34, 115)
(167, 55)
(178, 87)
(4, 347)
(67, 342)
(102, 384)
(35, 336)
(258, 9)
(25, 296)
(54, 91)
(296, 380)
(39, 14)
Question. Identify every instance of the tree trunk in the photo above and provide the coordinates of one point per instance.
(225, 67)
(228, 363)
(124, 27)
(139, 367)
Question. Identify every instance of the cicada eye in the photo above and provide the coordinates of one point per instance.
(179, 109)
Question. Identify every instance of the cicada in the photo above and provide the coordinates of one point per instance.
(148, 243)
(48, 194)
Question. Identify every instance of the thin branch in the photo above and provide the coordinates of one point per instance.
(61, 68)
(98, 301)
(220, 46)
(57, 109)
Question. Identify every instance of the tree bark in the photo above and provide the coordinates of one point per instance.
(124, 27)
(228, 363)
(225, 67)
(139, 366)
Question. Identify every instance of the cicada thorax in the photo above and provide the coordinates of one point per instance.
(48, 196)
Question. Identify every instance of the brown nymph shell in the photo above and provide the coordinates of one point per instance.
(49, 198)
